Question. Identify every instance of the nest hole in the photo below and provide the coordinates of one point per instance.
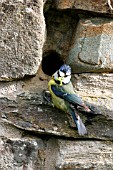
(51, 62)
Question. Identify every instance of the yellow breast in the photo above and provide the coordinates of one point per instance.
(57, 101)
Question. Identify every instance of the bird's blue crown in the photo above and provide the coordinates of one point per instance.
(65, 69)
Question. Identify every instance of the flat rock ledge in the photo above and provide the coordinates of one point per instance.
(29, 112)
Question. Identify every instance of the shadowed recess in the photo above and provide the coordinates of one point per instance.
(51, 62)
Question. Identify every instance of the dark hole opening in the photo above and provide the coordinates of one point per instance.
(51, 62)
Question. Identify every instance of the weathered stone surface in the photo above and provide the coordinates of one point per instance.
(96, 155)
(96, 89)
(11, 89)
(29, 153)
(92, 47)
(54, 154)
(96, 6)
(9, 131)
(21, 154)
(22, 32)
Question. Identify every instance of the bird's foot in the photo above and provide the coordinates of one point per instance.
(90, 111)
(47, 98)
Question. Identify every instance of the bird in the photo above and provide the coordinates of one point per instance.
(64, 97)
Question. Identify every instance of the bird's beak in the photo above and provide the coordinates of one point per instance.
(60, 79)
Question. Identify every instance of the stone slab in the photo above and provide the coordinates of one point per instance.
(22, 32)
(92, 46)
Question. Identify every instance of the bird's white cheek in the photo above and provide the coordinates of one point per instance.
(61, 73)
(69, 77)
(66, 79)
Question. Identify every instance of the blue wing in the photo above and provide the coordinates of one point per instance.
(71, 98)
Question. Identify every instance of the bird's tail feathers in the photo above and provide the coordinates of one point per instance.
(81, 127)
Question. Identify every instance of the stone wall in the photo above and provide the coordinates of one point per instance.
(36, 38)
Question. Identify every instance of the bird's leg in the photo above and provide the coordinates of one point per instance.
(86, 108)
(90, 110)
(47, 98)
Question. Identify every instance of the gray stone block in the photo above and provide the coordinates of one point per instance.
(92, 46)
(22, 32)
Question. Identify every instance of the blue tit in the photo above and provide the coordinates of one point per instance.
(64, 97)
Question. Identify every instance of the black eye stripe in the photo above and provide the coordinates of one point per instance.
(58, 74)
